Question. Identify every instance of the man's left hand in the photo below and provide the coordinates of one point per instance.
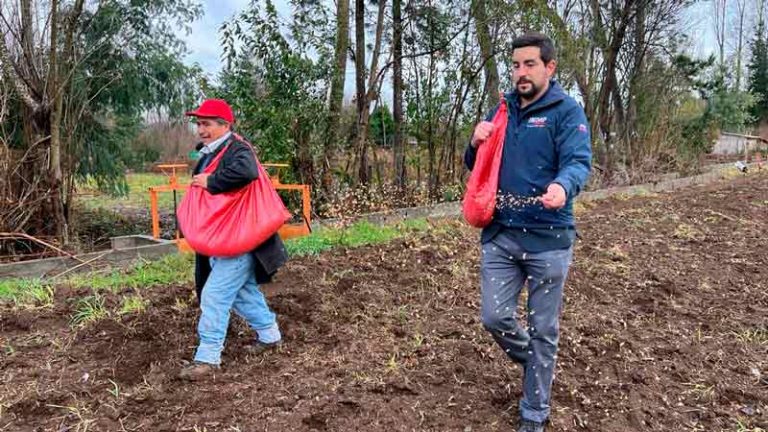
(555, 197)
(200, 180)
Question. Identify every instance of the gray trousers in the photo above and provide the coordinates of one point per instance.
(505, 270)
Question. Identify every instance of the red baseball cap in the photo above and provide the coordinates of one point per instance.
(214, 108)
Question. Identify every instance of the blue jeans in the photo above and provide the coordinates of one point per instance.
(232, 284)
(506, 267)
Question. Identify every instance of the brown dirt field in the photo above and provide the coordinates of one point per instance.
(665, 328)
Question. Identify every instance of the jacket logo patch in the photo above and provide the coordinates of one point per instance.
(582, 128)
(537, 122)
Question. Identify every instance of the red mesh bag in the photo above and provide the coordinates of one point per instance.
(231, 223)
(480, 196)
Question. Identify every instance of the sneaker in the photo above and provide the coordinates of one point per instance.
(259, 347)
(197, 371)
(530, 426)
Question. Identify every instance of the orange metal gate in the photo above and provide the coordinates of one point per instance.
(287, 231)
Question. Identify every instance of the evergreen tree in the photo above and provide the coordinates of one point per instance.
(758, 72)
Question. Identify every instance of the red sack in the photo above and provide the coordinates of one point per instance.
(480, 196)
(231, 223)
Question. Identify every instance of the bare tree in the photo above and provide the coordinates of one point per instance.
(739, 24)
(5, 157)
(720, 18)
(366, 94)
(397, 95)
(40, 71)
(486, 47)
(336, 94)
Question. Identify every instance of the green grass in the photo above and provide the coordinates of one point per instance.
(174, 268)
(133, 304)
(358, 234)
(138, 193)
(88, 309)
(178, 269)
(30, 292)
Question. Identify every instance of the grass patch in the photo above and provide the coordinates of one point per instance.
(758, 336)
(614, 260)
(133, 304)
(170, 269)
(88, 309)
(744, 427)
(700, 391)
(686, 232)
(358, 234)
(582, 206)
(138, 192)
(26, 292)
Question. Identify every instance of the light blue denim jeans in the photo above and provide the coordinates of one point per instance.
(232, 285)
(506, 268)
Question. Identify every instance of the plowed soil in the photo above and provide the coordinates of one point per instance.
(665, 328)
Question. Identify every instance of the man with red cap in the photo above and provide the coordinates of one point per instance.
(225, 283)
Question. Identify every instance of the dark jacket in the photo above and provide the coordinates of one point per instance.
(236, 169)
(546, 142)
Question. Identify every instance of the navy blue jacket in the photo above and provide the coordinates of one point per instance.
(546, 142)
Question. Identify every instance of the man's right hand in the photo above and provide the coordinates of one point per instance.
(483, 131)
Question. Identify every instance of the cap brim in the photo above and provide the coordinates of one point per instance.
(199, 114)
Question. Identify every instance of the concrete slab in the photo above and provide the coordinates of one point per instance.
(145, 247)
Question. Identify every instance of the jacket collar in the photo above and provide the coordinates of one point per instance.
(212, 147)
(553, 95)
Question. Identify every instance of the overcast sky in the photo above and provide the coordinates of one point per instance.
(204, 43)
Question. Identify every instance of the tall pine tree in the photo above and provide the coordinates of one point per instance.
(758, 72)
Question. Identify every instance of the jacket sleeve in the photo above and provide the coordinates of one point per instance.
(471, 153)
(237, 169)
(574, 150)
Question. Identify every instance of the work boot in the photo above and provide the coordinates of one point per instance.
(530, 426)
(259, 347)
(197, 371)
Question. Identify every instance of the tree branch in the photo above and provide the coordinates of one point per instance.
(21, 87)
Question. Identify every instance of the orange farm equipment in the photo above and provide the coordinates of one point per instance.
(289, 230)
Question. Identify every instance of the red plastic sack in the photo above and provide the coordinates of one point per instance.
(480, 196)
(231, 223)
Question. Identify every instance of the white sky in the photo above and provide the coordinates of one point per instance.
(204, 42)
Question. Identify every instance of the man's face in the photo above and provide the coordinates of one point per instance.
(529, 73)
(209, 130)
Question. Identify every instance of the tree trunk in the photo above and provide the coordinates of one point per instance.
(486, 50)
(721, 18)
(55, 99)
(27, 67)
(368, 94)
(610, 51)
(66, 62)
(742, 8)
(398, 146)
(467, 81)
(336, 94)
(636, 75)
(415, 90)
(361, 146)
(431, 146)
(304, 165)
